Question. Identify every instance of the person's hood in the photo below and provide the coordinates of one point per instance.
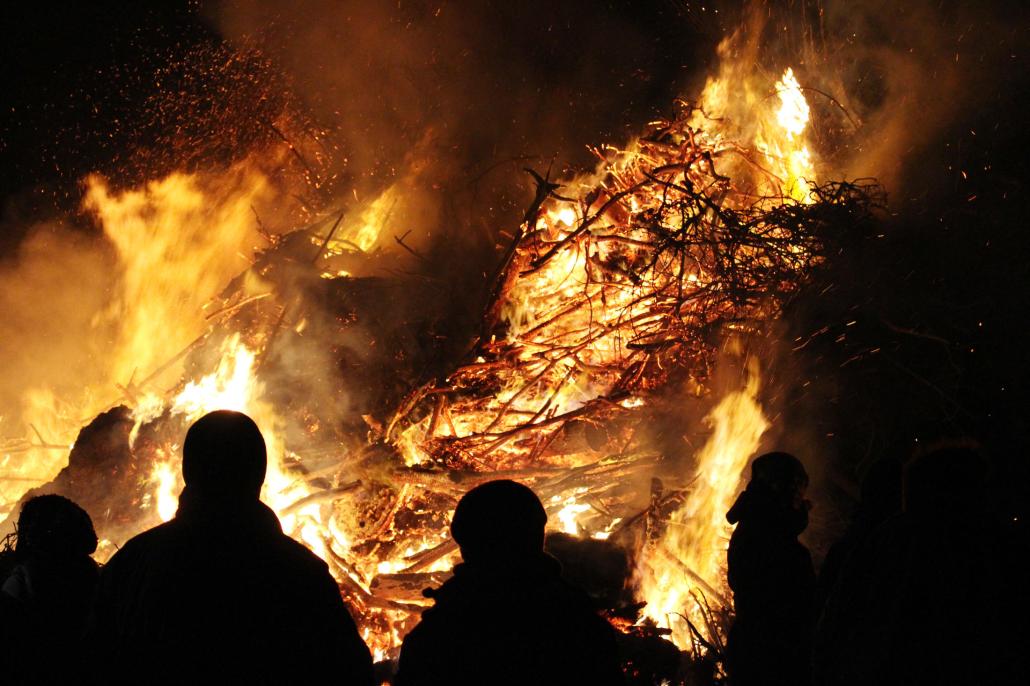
(240, 515)
(759, 507)
(497, 576)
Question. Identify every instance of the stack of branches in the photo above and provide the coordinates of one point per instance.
(608, 295)
(616, 289)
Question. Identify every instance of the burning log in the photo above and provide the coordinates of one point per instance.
(406, 586)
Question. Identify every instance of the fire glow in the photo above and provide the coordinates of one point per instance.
(608, 286)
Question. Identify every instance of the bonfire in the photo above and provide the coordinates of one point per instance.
(617, 295)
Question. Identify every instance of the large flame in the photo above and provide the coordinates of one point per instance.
(234, 386)
(687, 565)
(738, 105)
(786, 147)
(179, 243)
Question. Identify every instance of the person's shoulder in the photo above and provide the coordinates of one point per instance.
(576, 602)
(141, 543)
(299, 556)
(572, 593)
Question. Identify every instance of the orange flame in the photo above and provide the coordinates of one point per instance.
(690, 557)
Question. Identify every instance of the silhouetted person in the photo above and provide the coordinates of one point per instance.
(879, 500)
(47, 594)
(771, 575)
(935, 595)
(507, 616)
(219, 594)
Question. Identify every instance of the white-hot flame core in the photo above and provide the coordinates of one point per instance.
(793, 113)
(166, 478)
(233, 386)
(229, 387)
(570, 512)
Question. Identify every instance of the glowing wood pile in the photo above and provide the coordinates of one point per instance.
(616, 290)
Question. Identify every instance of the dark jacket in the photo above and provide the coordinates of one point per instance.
(45, 602)
(773, 583)
(930, 598)
(514, 623)
(220, 595)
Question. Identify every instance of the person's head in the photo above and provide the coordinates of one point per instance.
(224, 457)
(782, 476)
(775, 495)
(499, 520)
(880, 495)
(55, 526)
(949, 476)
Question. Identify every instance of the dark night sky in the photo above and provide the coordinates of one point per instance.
(943, 296)
(58, 61)
(77, 75)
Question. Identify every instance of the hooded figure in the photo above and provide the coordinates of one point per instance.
(935, 595)
(771, 575)
(507, 616)
(219, 594)
(879, 501)
(48, 591)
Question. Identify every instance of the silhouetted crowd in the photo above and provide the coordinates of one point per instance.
(925, 587)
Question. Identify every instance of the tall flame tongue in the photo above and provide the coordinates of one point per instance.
(684, 571)
(786, 146)
(682, 575)
(179, 241)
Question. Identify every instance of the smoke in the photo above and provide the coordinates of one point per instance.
(455, 98)
(915, 79)
(446, 102)
(50, 341)
(912, 94)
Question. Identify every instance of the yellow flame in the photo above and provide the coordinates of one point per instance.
(793, 113)
(166, 496)
(792, 118)
(234, 386)
(735, 107)
(229, 387)
(570, 512)
(37, 459)
(179, 240)
(697, 533)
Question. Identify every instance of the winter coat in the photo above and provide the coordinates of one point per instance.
(221, 595)
(516, 622)
(932, 597)
(773, 583)
(46, 601)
